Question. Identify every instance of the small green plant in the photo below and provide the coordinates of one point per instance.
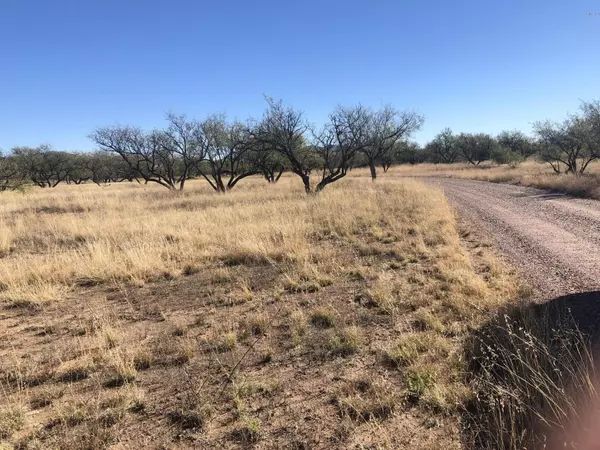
(417, 383)
(251, 429)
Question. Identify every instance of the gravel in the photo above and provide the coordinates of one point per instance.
(554, 239)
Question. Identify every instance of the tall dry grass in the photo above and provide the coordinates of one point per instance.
(52, 240)
(534, 376)
(529, 173)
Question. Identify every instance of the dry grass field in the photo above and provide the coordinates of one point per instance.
(134, 317)
(529, 173)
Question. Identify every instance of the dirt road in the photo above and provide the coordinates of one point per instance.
(554, 239)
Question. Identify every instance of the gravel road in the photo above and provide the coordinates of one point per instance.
(554, 239)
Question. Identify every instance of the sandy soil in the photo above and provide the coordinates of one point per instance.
(554, 239)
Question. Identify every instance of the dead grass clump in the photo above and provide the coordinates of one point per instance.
(254, 325)
(298, 326)
(187, 420)
(79, 424)
(45, 396)
(22, 373)
(75, 370)
(121, 368)
(344, 342)
(322, 317)
(225, 342)
(365, 400)
(414, 346)
(428, 320)
(194, 406)
(143, 359)
(12, 419)
(169, 350)
(533, 373)
(382, 294)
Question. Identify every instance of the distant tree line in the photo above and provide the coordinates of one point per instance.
(224, 152)
(221, 151)
(569, 146)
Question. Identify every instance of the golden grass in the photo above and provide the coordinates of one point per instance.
(364, 277)
(53, 240)
(529, 173)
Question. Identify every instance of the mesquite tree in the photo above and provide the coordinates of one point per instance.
(10, 176)
(475, 148)
(386, 127)
(516, 142)
(227, 150)
(443, 148)
(166, 157)
(565, 142)
(42, 165)
(282, 130)
(331, 149)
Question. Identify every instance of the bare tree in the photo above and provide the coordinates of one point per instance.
(162, 157)
(282, 130)
(331, 151)
(227, 151)
(386, 127)
(338, 143)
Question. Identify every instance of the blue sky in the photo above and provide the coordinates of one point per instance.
(67, 67)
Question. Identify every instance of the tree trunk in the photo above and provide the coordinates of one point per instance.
(306, 181)
(373, 170)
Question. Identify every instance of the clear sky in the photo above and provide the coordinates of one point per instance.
(69, 66)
